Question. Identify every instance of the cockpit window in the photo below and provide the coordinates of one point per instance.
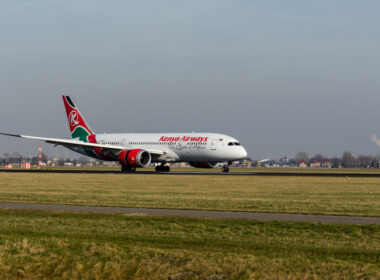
(230, 143)
(237, 144)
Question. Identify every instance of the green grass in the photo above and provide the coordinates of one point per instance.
(311, 195)
(39, 244)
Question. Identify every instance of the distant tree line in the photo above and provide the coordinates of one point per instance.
(346, 161)
(17, 158)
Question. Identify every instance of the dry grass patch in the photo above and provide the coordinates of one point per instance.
(312, 195)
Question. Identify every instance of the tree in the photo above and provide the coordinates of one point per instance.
(318, 158)
(348, 160)
(84, 160)
(302, 157)
(336, 162)
(44, 158)
(34, 161)
(364, 161)
(367, 161)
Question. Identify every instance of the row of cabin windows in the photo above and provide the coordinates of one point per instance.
(111, 143)
(168, 143)
(165, 143)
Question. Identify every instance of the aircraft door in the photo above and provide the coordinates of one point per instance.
(214, 144)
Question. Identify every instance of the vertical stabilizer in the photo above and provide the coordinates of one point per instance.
(78, 126)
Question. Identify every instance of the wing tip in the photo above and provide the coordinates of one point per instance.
(9, 134)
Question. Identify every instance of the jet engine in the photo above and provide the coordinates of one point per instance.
(134, 158)
(203, 164)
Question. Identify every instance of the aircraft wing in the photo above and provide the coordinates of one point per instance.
(80, 144)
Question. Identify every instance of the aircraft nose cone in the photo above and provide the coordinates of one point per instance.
(243, 152)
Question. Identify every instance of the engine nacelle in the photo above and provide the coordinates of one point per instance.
(203, 164)
(134, 158)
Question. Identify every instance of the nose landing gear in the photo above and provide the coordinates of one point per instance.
(226, 168)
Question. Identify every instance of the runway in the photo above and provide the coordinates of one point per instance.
(330, 219)
(142, 172)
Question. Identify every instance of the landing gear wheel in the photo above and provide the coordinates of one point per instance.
(162, 168)
(225, 169)
(128, 169)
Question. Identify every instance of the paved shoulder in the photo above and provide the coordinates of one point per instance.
(199, 213)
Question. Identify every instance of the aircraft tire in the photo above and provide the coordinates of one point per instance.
(128, 169)
(225, 169)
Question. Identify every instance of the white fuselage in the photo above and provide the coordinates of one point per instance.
(179, 147)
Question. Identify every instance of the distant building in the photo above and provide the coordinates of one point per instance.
(326, 164)
(316, 164)
(302, 164)
(25, 165)
(245, 163)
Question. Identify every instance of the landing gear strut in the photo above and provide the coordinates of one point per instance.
(226, 168)
(162, 168)
(127, 169)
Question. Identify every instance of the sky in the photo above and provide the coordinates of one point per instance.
(280, 76)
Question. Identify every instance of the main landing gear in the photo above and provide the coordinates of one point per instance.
(162, 168)
(127, 169)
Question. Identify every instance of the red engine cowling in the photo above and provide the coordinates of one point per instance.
(203, 164)
(135, 158)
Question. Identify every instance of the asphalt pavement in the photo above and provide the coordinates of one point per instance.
(199, 213)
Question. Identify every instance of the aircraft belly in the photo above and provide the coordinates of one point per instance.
(195, 154)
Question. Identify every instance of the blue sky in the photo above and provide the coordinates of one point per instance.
(281, 76)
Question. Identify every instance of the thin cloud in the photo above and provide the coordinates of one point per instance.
(375, 140)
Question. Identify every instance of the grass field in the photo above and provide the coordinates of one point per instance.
(311, 195)
(38, 244)
(46, 244)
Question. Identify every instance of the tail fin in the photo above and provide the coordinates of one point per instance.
(78, 126)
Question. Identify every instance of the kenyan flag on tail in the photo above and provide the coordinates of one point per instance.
(78, 126)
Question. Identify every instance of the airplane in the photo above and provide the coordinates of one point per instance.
(134, 150)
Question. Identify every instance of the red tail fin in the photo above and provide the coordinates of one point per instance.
(77, 124)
